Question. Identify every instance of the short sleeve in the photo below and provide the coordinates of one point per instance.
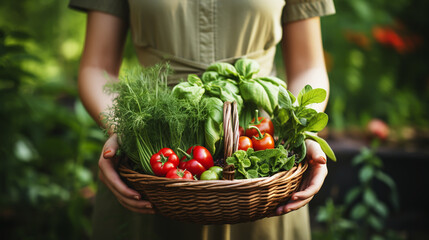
(117, 8)
(301, 9)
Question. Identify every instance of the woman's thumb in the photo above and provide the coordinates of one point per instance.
(110, 147)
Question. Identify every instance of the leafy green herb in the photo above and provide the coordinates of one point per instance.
(148, 116)
(294, 121)
(254, 164)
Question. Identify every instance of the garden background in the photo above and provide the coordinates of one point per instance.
(377, 58)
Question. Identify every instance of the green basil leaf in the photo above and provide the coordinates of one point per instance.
(247, 67)
(324, 145)
(223, 69)
(292, 97)
(272, 92)
(212, 134)
(297, 120)
(274, 80)
(284, 99)
(253, 92)
(188, 91)
(299, 140)
(317, 123)
(308, 96)
(215, 108)
(193, 79)
(210, 76)
(306, 113)
(283, 116)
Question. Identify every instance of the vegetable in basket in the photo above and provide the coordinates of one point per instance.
(262, 141)
(254, 164)
(163, 161)
(196, 159)
(234, 83)
(178, 173)
(264, 124)
(147, 116)
(244, 143)
(295, 121)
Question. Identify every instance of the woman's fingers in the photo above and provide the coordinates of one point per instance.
(315, 153)
(315, 180)
(111, 177)
(111, 146)
(137, 210)
(132, 203)
(135, 205)
(312, 180)
(128, 197)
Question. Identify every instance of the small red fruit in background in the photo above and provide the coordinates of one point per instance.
(378, 128)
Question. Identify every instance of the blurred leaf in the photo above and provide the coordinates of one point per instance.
(358, 211)
(24, 150)
(363, 9)
(380, 208)
(366, 173)
(352, 195)
(369, 197)
(375, 222)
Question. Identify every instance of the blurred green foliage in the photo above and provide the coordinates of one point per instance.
(48, 142)
(50, 145)
(377, 59)
(363, 214)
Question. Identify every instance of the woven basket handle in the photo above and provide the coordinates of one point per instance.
(231, 136)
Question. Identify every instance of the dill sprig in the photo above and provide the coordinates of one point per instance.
(147, 117)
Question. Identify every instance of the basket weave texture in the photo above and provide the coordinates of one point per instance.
(217, 201)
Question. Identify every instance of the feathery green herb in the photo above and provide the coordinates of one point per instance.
(147, 116)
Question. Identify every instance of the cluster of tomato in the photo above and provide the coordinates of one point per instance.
(258, 136)
(197, 162)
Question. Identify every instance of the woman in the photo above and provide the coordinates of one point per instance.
(191, 35)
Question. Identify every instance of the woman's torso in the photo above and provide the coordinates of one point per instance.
(192, 34)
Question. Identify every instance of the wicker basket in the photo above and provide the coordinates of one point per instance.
(217, 201)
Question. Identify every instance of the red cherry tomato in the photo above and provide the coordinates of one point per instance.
(266, 142)
(195, 167)
(179, 174)
(244, 143)
(262, 141)
(264, 125)
(164, 160)
(197, 159)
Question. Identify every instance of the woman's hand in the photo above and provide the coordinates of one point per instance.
(128, 197)
(312, 181)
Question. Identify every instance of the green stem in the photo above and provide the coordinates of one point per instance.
(303, 153)
(256, 122)
(188, 156)
(260, 135)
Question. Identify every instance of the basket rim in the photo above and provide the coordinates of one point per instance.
(134, 176)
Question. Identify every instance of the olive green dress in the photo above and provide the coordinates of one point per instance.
(190, 35)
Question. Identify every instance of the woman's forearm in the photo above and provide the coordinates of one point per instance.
(316, 77)
(91, 91)
(304, 57)
(101, 61)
